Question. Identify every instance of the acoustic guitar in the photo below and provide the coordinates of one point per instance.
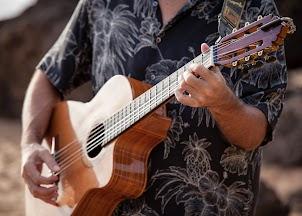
(103, 146)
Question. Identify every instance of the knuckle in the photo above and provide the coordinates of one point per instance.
(36, 180)
(201, 100)
(207, 93)
(43, 152)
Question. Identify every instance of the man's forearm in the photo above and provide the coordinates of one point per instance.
(38, 104)
(241, 124)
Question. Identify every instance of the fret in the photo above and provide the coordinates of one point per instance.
(153, 93)
(147, 96)
(136, 117)
(128, 114)
(118, 120)
(141, 107)
(156, 89)
(123, 118)
(165, 87)
(150, 99)
(131, 112)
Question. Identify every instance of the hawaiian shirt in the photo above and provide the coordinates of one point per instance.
(194, 171)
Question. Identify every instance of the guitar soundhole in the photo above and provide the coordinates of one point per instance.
(95, 141)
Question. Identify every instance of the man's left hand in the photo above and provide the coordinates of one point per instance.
(201, 87)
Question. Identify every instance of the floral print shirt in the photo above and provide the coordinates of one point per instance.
(195, 171)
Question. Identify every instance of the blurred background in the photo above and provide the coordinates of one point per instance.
(27, 30)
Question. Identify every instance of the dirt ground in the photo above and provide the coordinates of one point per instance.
(284, 181)
(11, 186)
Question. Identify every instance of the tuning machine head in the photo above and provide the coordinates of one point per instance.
(257, 64)
(269, 59)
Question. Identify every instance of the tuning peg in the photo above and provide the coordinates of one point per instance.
(245, 67)
(259, 17)
(254, 56)
(246, 24)
(235, 63)
(257, 64)
(234, 30)
(270, 59)
(247, 58)
(260, 53)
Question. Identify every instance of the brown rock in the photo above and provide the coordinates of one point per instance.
(23, 41)
(286, 148)
(292, 9)
(269, 203)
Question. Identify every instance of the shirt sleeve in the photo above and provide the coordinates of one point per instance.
(68, 63)
(264, 87)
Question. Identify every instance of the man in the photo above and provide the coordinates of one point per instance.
(209, 163)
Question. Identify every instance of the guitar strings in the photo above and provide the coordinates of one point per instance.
(90, 144)
(67, 147)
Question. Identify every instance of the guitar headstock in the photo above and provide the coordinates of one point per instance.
(252, 42)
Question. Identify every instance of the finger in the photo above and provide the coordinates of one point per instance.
(204, 48)
(192, 80)
(49, 160)
(216, 70)
(189, 89)
(202, 72)
(50, 201)
(31, 172)
(185, 99)
(41, 192)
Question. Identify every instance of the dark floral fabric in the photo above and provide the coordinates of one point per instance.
(195, 171)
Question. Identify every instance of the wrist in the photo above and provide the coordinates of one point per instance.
(231, 104)
(28, 139)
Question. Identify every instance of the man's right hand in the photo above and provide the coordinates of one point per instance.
(44, 188)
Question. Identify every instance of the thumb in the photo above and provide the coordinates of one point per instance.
(204, 48)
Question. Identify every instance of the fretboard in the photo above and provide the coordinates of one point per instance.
(149, 100)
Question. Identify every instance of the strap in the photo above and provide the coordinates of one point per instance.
(230, 16)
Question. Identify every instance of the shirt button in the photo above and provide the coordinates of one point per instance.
(158, 40)
(155, 3)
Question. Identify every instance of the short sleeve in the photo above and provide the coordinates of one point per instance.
(68, 63)
(264, 87)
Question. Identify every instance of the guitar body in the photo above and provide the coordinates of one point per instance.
(95, 186)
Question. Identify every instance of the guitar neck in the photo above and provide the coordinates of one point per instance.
(150, 100)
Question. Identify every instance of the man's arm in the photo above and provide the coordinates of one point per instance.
(39, 101)
(241, 124)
